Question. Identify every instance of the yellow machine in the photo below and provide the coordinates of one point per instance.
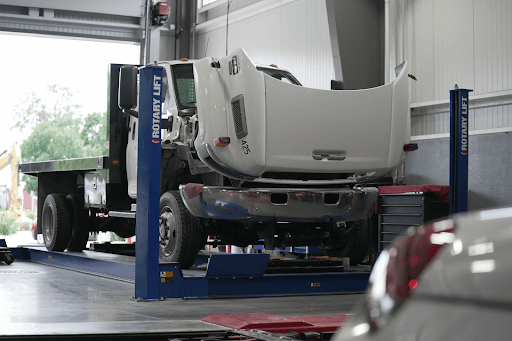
(12, 156)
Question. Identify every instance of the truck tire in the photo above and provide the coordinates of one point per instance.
(180, 231)
(56, 223)
(126, 228)
(80, 229)
(355, 244)
(8, 258)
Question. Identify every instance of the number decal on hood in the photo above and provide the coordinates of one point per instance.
(245, 147)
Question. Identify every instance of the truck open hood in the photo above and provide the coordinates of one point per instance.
(279, 128)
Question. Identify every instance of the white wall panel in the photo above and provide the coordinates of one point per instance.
(493, 117)
(453, 46)
(462, 42)
(493, 45)
(420, 50)
(294, 36)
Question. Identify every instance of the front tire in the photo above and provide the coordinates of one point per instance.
(180, 231)
(56, 223)
(354, 244)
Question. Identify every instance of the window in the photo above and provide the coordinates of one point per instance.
(184, 83)
(165, 95)
(207, 2)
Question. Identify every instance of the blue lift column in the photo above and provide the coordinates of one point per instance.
(148, 184)
(459, 148)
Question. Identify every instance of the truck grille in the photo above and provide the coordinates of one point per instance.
(239, 119)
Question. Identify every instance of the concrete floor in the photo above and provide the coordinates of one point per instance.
(44, 300)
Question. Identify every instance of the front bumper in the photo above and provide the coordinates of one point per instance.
(279, 204)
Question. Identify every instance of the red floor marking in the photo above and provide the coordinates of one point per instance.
(279, 324)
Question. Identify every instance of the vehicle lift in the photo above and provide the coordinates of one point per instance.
(459, 148)
(227, 275)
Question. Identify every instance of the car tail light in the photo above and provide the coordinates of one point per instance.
(397, 271)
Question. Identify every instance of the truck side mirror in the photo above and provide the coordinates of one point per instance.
(337, 85)
(127, 98)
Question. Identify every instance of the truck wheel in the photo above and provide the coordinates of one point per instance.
(80, 230)
(354, 245)
(180, 231)
(9, 258)
(56, 223)
(125, 228)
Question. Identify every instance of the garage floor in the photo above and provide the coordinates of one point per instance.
(43, 300)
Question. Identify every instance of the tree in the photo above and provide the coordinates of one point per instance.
(51, 141)
(55, 133)
(94, 134)
(58, 104)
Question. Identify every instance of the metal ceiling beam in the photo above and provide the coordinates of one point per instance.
(83, 28)
(130, 8)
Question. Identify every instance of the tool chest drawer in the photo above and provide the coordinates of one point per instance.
(398, 212)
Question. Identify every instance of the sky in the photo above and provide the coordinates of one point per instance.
(33, 62)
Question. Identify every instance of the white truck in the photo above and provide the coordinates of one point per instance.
(248, 154)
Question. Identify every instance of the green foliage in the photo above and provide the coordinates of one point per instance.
(55, 133)
(53, 141)
(30, 215)
(30, 183)
(6, 223)
(94, 134)
(58, 104)
(118, 239)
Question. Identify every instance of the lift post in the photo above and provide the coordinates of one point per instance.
(148, 184)
(459, 148)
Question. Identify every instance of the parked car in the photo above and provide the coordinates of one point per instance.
(445, 280)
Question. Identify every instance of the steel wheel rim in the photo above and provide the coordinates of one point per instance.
(48, 225)
(168, 231)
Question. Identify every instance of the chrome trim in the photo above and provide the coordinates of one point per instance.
(122, 214)
(83, 164)
(303, 205)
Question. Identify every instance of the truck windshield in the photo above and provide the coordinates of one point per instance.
(184, 83)
(282, 75)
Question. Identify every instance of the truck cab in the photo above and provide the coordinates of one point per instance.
(179, 110)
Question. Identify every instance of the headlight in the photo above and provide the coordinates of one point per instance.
(397, 270)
